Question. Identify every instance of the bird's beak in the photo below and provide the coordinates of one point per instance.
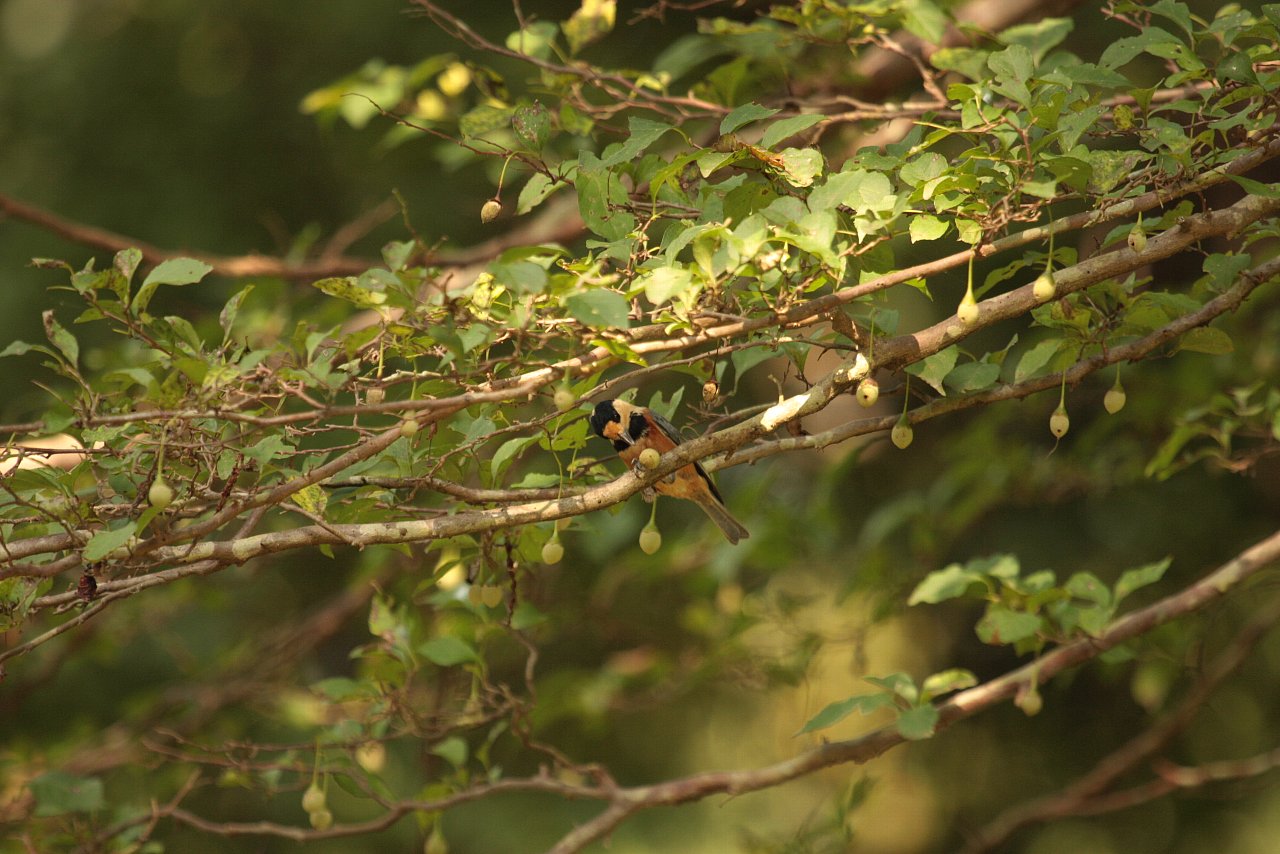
(613, 431)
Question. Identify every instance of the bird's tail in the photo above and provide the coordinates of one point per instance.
(732, 528)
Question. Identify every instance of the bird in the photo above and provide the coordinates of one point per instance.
(632, 429)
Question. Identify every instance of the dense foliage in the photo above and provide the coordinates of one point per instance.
(341, 551)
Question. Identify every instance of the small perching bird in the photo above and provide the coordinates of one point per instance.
(633, 429)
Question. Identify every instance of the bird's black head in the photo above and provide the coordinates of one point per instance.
(603, 414)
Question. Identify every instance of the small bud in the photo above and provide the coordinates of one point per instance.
(160, 495)
(552, 552)
(902, 435)
(490, 210)
(1059, 423)
(649, 458)
(650, 539)
(1044, 287)
(868, 392)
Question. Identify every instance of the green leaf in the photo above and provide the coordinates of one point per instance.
(898, 683)
(600, 193)
(536, 40)
(1085, 585)
(227, 317)
(483, 119)
(340, 689)
(594, 19)
(786, 128)
(1206, 339)
(927, 227)
(532, 124)
(526, 616)
(1034, 361)
(924, 168)
(801, 165)
(972, 376)
(61, 338)
(935, 368)
(599, 309)
(946, 681)
(924, 19)
(127, 261)
(266, 450)
(1135, 579)
(1013, 66)
(507, 451)
(1152, 40)
(175, 271)
(644, 132)
(664, 284)
(918, 723)
(106, 541)
(535, 192)
(1225, 269)
(841, 709)
(58, 793)
(744, 115)
(1039, 38)
(447, 651)
(1002, 625)
(943, 584)
(348, 288)
(453, 750)
(21, 348)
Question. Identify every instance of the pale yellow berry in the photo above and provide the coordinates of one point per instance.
(409, 428)
(552, 552)
(967, 313)
(902, 435)
(375, 396)
(650, 539)
(1059, 423)
(1044, 287)
(1114, 399)
(868, 392)
(313, 800)
(649, 458)
(160, 495)
(1030, 702)
(321, 819)
(1137, 239)
(490, 210)
(564, 399)
(491, 595)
